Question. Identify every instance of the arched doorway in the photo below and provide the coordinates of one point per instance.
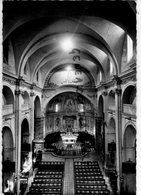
(7, 144)
(68, 114)
(100, 106)
(111, 143)
(7, 159)
(25, 145)
(129, 160)
(100, 130)
(38, 123)
(129, 143)
(69, 111)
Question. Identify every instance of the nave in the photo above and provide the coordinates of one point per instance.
(68, 95)
(69, 176)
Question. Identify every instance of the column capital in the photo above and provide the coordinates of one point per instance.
(19, 81)
(118, 91)
(18, 92)
(32, 94)
(104, 93)
(117, 80)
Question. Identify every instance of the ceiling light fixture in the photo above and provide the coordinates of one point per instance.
(69, 68)
(67, 44)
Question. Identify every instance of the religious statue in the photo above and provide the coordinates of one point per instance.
(27, 165)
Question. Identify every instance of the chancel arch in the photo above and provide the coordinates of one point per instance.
(69, 74)
(69, 111)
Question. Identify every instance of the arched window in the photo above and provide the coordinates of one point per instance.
(81, 107)
(100, 76)
(111, 69)
(129, 48)
(56, 108)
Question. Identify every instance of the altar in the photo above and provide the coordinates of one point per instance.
(69, 139)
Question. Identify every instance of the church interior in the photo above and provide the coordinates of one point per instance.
(69, 98)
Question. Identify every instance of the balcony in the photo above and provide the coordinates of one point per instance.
(8, 109)
(129, 109)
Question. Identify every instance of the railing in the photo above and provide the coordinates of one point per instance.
(129, 109)
(8, 109)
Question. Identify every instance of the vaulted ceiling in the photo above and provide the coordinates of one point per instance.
(37, 29)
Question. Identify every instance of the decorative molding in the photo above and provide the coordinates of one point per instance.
(19, 81)
(128, 116)
(129, 78)
(92, 96)
(25, 84)
(35, 87)
(117, 80)
(32, 94)
(122, 79)
(118, 91)
(19, 92)
(104, 93)
(106, 85)
(10, 80)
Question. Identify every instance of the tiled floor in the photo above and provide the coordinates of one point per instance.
(68, 185)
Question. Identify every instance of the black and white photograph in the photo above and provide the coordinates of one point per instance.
(69, 97)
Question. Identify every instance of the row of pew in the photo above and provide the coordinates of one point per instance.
(89, 179)
(48, 179)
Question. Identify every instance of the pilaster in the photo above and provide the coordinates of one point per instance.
(44, 126)
(18, 96)
(118, 103)
(32, 94)
(105, 96)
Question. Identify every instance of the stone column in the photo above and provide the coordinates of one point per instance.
(18, 99)
(105, 95)
(32, 94)
(44, 126)
(118, 133)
